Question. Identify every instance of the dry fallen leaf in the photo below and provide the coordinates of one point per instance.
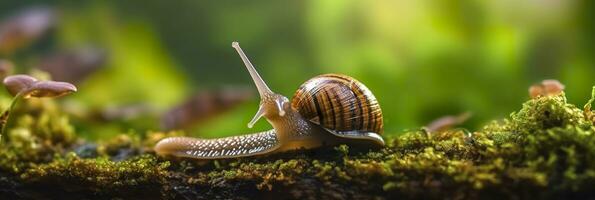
(203, 106)
(447, 122)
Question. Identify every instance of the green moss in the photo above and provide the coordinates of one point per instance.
(100, 175)
(547, 112)
(545, 150)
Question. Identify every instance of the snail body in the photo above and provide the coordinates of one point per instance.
(328, 109)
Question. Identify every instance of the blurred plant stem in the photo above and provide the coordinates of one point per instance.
(6, 114)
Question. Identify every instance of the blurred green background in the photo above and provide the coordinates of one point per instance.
(421, 59)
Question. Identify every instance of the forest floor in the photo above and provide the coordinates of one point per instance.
(545, 150)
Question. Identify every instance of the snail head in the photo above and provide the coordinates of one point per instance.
(271, 103)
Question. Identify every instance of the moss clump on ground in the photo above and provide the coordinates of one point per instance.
(545, 150)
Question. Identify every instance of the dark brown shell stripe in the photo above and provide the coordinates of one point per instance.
(366, 102)
(338, 102)
(372, 109)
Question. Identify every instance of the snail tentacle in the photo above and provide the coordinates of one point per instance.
(228, 147)
(262, 87)
(257, 116)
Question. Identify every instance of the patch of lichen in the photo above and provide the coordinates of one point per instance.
(545, 150)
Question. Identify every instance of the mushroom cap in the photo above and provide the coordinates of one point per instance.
(29, 87)
(17, 83)
(49, 89)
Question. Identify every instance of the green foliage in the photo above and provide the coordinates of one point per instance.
(139, 69)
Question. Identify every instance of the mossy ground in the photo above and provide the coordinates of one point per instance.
(545, 150)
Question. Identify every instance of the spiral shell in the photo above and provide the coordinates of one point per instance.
(339, 103)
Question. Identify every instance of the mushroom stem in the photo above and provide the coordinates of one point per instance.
(6, 114)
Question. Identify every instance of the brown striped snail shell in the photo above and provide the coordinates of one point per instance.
(329, 109)
(338, 102)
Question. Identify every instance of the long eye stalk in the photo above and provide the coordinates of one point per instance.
(262, 87)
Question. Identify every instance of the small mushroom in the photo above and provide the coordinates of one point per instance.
(549, 87)
(552, 87)
(25, 86)
(28, 87)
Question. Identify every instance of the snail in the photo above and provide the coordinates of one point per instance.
(328, 109)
